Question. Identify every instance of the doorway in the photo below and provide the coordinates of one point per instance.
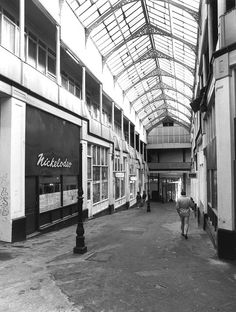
(31, 204)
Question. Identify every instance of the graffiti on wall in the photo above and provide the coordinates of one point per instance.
(4, 196)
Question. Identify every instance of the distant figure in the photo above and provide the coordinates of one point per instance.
(138, 199)
(144, 198)
(183, 206)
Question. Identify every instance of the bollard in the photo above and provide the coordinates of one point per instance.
(148, 206)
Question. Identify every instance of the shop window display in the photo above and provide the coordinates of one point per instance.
(98, 165)
(70, 190)
(53, 193)
(133, 178)
(49, 193)
(119, 173)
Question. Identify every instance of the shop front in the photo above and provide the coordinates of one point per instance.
(52, 171)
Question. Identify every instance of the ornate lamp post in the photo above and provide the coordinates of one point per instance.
(80, 247)
(149, 197)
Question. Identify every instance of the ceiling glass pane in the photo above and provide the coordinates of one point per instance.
(150, 49)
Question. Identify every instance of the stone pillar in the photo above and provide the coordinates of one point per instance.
(129, 133)
(204, 65)
(12, 169)
(204, 177)
(84, 171)
(224, 112)
(100, 100)
(83, 89)
(122, 124)
(22, 30)
(210, 30)
(111, 180)
(113, 116)
(58, 55)
(221, 4)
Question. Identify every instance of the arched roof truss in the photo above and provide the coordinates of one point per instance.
(156, 104)
(150, 48)
(166, 107)
(154, 123)
(157, 72)
(160, 87)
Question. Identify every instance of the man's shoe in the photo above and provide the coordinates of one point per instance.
(186, 236)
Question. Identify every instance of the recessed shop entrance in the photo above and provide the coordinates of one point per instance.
(31, 205)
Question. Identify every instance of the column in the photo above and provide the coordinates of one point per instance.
(122, 135)
(111, 180)
(22, 30)
(83, 89)
(221, 4)
(58, 55)
(204, 176)
(221, 29)
(100, 102)
(113, 116)
(204, 67)
(12, 169)
(210, 30)
(225, 168)
(129, 133)
(122, 124)
(224, 112)
(84, 171)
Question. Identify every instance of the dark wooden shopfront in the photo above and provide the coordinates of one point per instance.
(51, 170)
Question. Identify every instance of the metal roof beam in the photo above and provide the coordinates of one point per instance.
(121, 3)
(163, 97)
(160, 118)
(179, 122)
(145, 30)
(161, 86)
(105, 15)
(190, 11)
(157, 72)
(166, 107)
(153, 54)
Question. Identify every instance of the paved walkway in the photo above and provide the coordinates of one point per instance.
(136, 261)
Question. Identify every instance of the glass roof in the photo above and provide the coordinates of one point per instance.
(150, 48)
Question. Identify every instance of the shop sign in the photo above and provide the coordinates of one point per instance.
(132, 178)
(119, 174)
(52, 162)
(52, 145)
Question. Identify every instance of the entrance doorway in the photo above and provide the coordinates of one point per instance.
(31, 205)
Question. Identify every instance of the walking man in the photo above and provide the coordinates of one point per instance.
(183, 206)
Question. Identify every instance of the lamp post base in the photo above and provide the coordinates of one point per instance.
(80, 250)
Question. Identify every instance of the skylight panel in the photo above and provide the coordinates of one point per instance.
(174, 68)
(83, 8)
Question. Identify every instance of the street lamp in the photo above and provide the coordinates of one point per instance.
(80, 247)
(148, 201)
